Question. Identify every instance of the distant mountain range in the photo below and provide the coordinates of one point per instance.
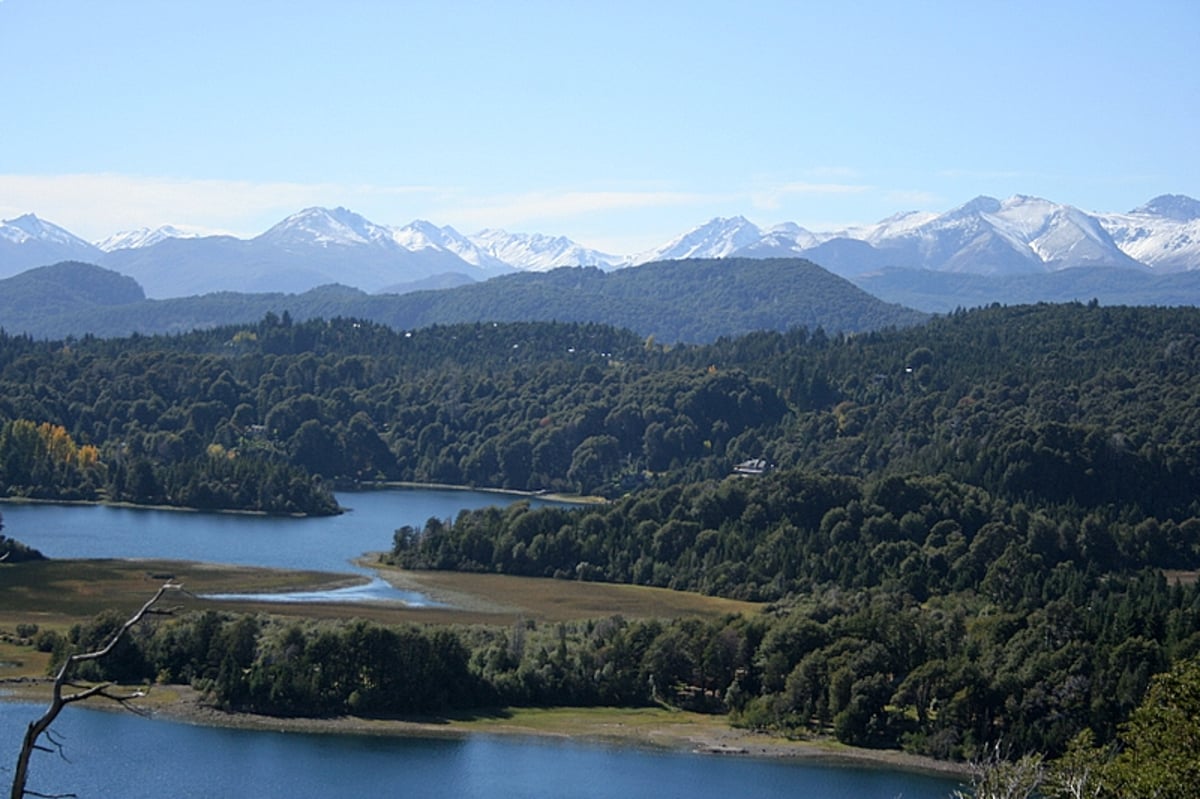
(675, 301)
(984, 237)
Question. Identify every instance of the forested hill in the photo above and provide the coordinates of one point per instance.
(60, 291)
(689, 301)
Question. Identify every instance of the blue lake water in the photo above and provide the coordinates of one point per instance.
(327, 543)
(115, 754)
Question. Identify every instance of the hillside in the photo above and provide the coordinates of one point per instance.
(690, 300)
(63, 290)
(676, 301)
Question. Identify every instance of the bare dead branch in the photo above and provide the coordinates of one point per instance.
(40, 728)
(59, 745)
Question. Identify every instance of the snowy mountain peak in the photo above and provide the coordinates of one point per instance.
(536, 252)
(1163, 234)
(720, 237)
(423, 236)
(786, 239)
(788, 229)
(1178, 207)
(29, 228)
(324, 227)
(143, 237)
(980, 205)
(428, 228)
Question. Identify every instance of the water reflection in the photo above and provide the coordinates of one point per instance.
(376, 590)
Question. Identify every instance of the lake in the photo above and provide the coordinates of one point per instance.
(324, 543)
(118, 754)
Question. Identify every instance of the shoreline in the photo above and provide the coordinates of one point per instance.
(382, 485)
(640, 728)
(126, 505)
(566, 499)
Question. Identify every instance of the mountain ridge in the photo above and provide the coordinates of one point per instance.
(986, 236)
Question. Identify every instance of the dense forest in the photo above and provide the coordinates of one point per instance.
(979, 531)
(1041, 404)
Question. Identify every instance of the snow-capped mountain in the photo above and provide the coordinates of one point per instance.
(1017, 236)
(326, 228)
(718, 238)
(966, 239)
(900, 224)
(143, 237)
(538, 253)
(27, 241)
(420, 235)
(782, 241)
(29, 228)
(1177, 207)
(1163, 234)
(987, 236)
(313, 247)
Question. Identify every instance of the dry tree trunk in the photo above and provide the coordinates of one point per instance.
(40, 728)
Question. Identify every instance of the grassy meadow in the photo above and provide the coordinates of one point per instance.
(56, 594)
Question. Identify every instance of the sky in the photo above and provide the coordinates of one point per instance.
(617, 124)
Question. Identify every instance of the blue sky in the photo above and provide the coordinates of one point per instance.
(618, 124)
